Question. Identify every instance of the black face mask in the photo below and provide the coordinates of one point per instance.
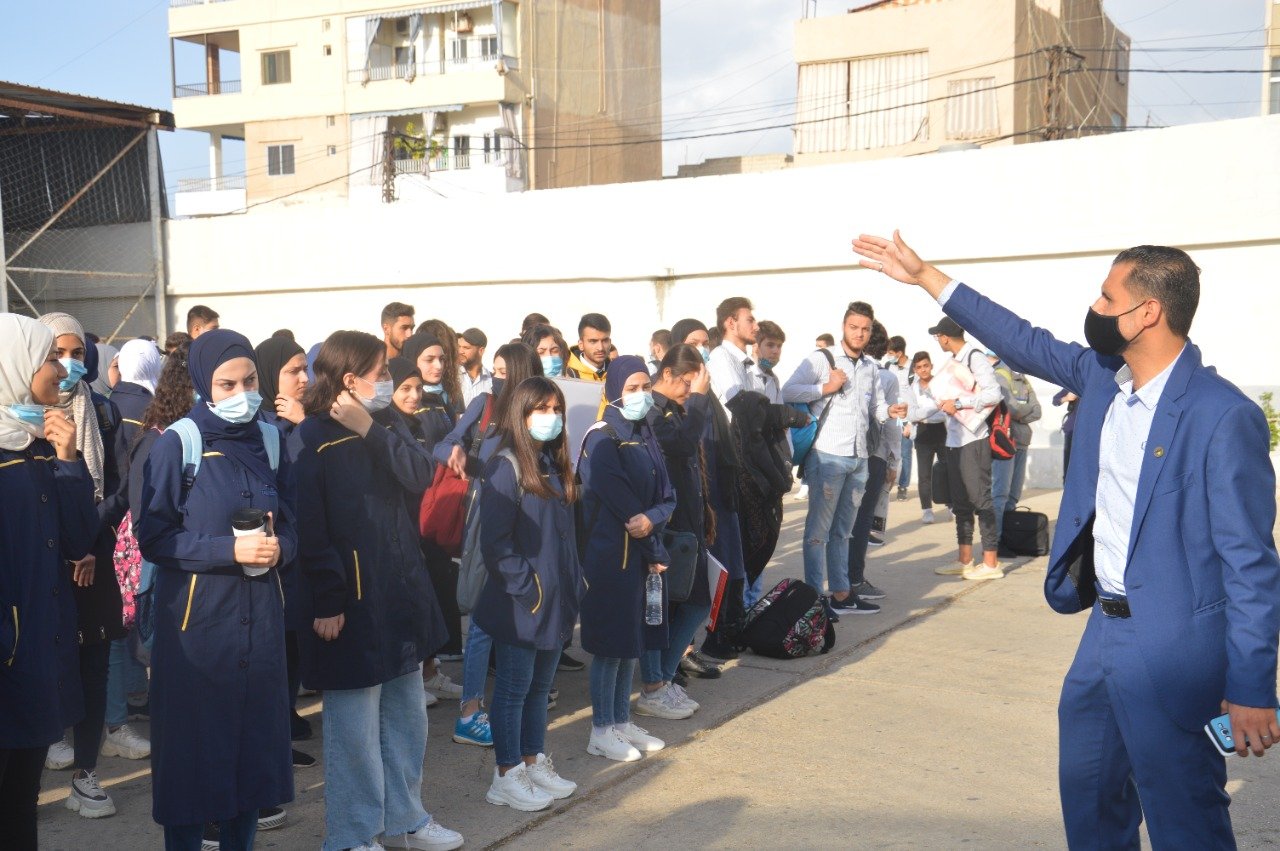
(1102, 333)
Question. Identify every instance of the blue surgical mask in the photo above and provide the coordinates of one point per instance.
(239, 408)
(438, 389)
(29, 415)
(544, 426)
(635, 405)
(552, 365)
(383, 391)
(75, 371)
(706, 354)
(765, 363)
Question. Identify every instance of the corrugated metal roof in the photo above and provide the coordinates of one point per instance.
(83, 106)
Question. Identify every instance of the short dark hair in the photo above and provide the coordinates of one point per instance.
(918, 357)
(729, 308)
(174, 340)
(825, 338)
(767, 330)
(200, 314)
(531, 320)
(1167, 275)
(897, 344)
(394, 311)
(860, 308)
(715, 336)
(662, 337)
(878, 343)
(598, 321)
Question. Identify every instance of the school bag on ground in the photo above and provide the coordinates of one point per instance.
(471, 569)
(1024, 533)
(788, 622)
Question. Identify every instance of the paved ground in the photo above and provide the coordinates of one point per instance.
(931, 724)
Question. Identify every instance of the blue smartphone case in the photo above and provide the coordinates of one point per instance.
(1219, 731)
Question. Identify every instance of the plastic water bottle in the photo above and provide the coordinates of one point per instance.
(653, 599)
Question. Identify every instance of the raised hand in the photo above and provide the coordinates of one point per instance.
(897, 260)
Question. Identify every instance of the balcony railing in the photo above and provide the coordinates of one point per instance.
(400, 70)
(211, 184)
(449, 161)
(222, 87)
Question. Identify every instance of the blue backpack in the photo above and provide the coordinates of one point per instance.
(802, 439)
(192, 453)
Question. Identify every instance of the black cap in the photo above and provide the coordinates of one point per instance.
(949, 327)
(475, 337)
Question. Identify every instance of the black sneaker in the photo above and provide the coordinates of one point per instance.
(855, 605)
(210, 841)
(269, 818)
(140, 711)
(302, 760)
(299, 728)
(568, 663)
(866, 591)
(701, 666)
(681, 679)
(875, 539)
(831, 613)
(902, 494)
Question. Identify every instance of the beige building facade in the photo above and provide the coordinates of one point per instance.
(1271, 58)
(905, 77)
(365, 100)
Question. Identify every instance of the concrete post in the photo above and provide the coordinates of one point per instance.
(159, 285)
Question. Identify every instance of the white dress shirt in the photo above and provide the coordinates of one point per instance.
(854, 407)
(1123, 445)
(471, 389)
(730, 369)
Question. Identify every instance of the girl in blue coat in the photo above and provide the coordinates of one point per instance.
(530, 601)
(47, 516)
(219, 694)
(374, 614)
(627, 501)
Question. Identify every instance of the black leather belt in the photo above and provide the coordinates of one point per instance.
(1115, 608)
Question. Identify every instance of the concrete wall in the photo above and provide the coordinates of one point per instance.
(1034, 226)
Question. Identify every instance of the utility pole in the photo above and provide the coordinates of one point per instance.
(1055, 78)
(388, 167)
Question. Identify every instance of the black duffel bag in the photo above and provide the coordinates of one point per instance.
(941, 482)
(1025, 533)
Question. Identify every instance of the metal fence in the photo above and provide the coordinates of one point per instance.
(81, 203)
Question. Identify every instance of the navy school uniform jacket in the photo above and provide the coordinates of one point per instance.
(534, 584)
(464, 433)
(410, 430)
(620, 481)
(219, 690)
(360, 557)
(679, 432)
(131, 400)
(46, 517)
(290, 447)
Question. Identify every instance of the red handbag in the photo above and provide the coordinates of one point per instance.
(443, 508)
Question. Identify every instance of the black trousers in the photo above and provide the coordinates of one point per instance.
(926, 454)
(293, 666)
(720, 643)
(969, 469)
(95, 661)
(444, 579)
(19, 790)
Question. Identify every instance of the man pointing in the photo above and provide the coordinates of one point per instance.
(1164, 533)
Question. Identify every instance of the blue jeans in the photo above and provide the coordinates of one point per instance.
(475, 663)
(125, 676)
(878, 470)
(611, 690)
(375, 741)
(659, 666)
(836, 483)
(904, 476)
(1007, 478)
(519, 714)
(233, 834)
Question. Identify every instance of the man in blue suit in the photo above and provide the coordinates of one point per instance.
(1164, 533)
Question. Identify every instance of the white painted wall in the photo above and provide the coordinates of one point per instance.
(1034, 226)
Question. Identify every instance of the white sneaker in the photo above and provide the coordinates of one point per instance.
(432, 836)
(982, 572)
(927, 516)
(640, 738)
(543, 774)
(803, 493)
(682, 697)
(442, 686)
(60, 755)
(372, 846)
(955, 568)
(663, 703)
(515, 789)
(126, 743)
(610, 744)
(87, 797)
(432, 700)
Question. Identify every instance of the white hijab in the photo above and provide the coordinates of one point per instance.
(140, 363)
(78, 403)
(24, 346)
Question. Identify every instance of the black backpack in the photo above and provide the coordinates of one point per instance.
(788, 622)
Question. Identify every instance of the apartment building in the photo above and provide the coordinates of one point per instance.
(1271, 58)
(367, 101)
(901, 77)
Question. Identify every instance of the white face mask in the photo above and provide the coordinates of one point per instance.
(382, 393)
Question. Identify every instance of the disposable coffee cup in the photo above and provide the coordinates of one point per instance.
(249, 521)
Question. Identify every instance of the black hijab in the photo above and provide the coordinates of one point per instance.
(271, 356)
(241, 442)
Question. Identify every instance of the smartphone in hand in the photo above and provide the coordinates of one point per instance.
(1219, 732)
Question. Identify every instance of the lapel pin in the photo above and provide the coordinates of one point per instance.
(1159, 451)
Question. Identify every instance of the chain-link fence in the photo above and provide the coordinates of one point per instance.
(81, 203)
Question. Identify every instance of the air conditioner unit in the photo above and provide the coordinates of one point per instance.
(402, 26)
(463, 23)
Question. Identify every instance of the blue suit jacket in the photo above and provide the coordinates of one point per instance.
(1203, 578)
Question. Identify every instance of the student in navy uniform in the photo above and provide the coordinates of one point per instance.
(282, 381)
(374, 614)
(47, 516)
(97, 611)
(530, 602)
(478, 428)
(681, 401)
(218, 629)
(627, 501)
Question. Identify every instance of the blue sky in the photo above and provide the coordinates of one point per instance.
(119, 50)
